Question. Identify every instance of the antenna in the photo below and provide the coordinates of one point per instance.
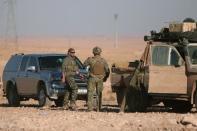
(11, 33)
(2, 22)
(116, 30)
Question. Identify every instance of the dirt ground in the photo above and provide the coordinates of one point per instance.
(29, 117)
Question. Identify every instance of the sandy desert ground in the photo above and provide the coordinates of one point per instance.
(29, 117)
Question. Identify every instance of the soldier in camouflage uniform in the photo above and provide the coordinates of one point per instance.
(99, 72)
(69, 69)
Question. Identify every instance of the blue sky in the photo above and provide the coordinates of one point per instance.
(94, 17)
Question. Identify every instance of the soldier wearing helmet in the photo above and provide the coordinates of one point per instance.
(69, 69)
(96, 50)
(99, 72)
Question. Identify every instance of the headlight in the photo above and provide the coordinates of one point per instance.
(57, 85)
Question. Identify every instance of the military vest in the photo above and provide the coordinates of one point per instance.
(98, 67)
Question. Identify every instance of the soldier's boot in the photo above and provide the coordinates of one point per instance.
(89, 109)
(73, 106)
(66, 106)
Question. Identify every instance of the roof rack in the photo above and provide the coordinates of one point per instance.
(166, 36)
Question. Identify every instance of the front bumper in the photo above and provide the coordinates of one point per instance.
(56, 89)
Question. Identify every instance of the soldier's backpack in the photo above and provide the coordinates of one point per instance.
(98, 68)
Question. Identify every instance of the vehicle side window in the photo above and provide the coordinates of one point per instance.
(174, 58)
(33, 62)
(193, 54)
(24, 63)
(160, 55)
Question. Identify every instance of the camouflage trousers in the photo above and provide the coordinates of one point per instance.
(70, 92)
(93, 83)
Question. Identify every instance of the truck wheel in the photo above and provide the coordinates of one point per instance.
(12, 96)
(181, 106)
(120, 95)
(43, 100)
(59, 102)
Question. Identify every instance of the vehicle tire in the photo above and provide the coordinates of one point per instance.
(12, 96)
(179, 106)
(120, 95)
(43, 100)
(59, 102)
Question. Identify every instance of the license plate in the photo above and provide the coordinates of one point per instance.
(82, 91)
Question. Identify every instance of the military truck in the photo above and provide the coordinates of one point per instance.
(166, 72)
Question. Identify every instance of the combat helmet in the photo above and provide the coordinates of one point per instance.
(96, 50)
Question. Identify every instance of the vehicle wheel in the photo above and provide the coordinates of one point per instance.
(167, 103)
(120, 95)
(59, 102)
(43, 100)
(179, 106)
(12, 96)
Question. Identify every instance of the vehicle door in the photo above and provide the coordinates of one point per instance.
(22, 77)
(167, 71)
(33, 75)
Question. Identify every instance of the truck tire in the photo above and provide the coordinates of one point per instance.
(120, 95)
(59, 102)
(179, 106)
(182, 107)
(12, 96)
(43, 100)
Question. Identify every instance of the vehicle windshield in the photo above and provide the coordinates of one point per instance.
(55, 62)
(160, 55)
(193, 53)
(51, 62)
(165, 56)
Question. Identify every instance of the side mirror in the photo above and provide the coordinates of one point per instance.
(31, 68)
(87, 68)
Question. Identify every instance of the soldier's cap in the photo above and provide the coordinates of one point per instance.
(71, 50)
